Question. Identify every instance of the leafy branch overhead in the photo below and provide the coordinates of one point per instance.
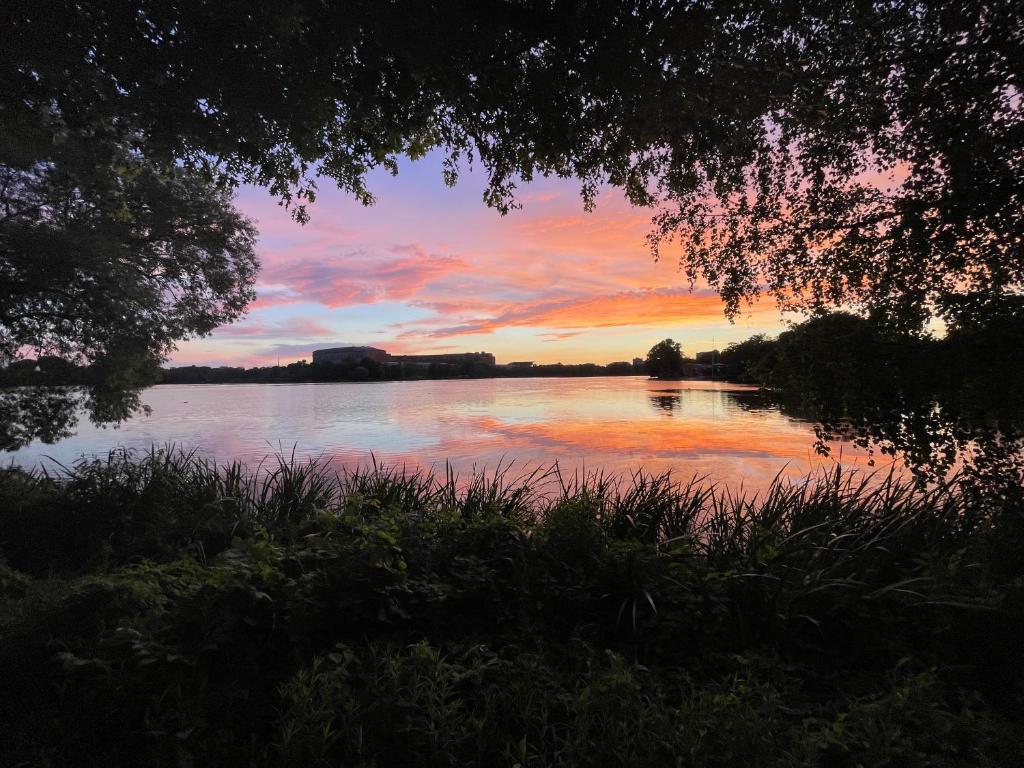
(825, 153)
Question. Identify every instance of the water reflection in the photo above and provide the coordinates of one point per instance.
(615, 424)
(666, 400)
(937, 431)
(730, 433)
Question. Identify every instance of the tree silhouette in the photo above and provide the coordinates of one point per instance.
(749, 360)
(106, 261)
(665, 359)
(827, 153)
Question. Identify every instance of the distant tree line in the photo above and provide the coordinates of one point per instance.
(842, 356)
(57, 372)
(825, 353)
(371, 370)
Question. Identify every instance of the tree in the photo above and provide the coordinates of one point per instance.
(750, 360)
(825, 153)
(889, 175)
(106, 261)
(831, 355)
(665, 360)
(620, 368)
(934, 403)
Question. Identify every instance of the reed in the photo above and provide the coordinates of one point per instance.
(163, 609)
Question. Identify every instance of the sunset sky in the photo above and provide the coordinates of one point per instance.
(431, 268)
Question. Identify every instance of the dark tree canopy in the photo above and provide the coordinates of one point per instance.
(744, 359)
(949, 407)
(107, 261)
(866, 153)
(135, 263)
(665, 359)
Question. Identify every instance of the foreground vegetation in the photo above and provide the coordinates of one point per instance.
(159, 610)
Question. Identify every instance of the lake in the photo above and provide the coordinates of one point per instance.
(616, 424)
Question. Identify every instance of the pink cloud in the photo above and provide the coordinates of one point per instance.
(354, 278)
(296, 327)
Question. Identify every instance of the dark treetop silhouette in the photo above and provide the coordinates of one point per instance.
(943, 405)
(823, 152)
(665, 359)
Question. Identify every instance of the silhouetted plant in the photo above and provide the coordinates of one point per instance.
(161, 609)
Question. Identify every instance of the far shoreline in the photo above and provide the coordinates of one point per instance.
(667, 380)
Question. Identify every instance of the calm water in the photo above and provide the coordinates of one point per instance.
(617, 424)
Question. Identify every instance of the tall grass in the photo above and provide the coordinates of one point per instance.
(184, 495)
(162, 609)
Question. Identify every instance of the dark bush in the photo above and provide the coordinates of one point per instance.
(162, 611)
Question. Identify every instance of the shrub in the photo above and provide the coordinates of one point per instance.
(161, 610)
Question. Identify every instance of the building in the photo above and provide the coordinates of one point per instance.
(695, 370)
(453, 358)
(357, 354)
(349, 355)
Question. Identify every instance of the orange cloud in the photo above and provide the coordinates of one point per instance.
(614, 226)
(649, 308)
